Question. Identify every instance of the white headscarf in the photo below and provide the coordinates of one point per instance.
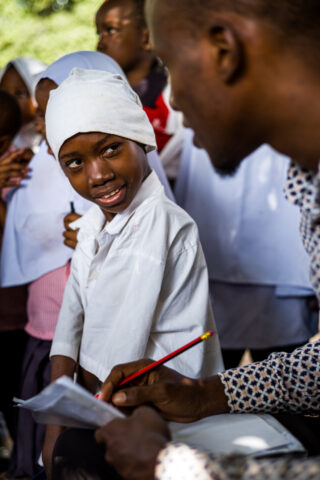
(32, 242)
(96, 101)
(59, 70)
(28, 69)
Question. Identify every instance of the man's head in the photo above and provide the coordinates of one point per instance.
(236, 65)
(122, 32)
(10, 120)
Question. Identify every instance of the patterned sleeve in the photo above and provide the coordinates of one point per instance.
(285, 381)
(179, 461)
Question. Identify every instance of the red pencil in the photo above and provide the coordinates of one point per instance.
(166, 358)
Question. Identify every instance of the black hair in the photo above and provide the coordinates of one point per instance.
(138, 12)
(290, 17)
(10, 114)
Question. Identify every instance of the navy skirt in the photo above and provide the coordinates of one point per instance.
(30, 435)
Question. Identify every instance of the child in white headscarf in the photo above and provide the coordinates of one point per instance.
(138, 284)
(19, 77)
(33, 253)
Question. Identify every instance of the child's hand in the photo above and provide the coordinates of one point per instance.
(14, 167)
(70, 235)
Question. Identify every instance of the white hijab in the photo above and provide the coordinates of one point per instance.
(32, 243)
(96, 101)
(28, 69)
(248, 230)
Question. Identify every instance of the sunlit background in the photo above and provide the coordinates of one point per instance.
(46, 29)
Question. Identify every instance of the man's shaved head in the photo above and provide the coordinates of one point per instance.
(242, 72)
(291, 16)
(297, 21)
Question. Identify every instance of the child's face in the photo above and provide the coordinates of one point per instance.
(120, 36)
(42, 96)
(14, 84)
(105, 169)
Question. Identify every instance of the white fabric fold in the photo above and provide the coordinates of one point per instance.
(28, 69)
(96, 101)
(59, 70)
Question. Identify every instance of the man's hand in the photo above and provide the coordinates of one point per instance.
(132, 444)
(178, 398)
(14, 167)
(70, 235)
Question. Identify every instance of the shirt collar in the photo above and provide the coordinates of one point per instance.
(302, 188)
(94, 221)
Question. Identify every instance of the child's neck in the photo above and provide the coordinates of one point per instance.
(140, 71)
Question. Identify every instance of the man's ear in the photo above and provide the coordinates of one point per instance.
(227, 50)
(146, 39)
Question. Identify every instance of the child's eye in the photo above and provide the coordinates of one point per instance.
(111, 30)
(110, 150)
(73, 164)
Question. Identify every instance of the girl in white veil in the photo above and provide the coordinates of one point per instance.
(19, 77)
(33, 252)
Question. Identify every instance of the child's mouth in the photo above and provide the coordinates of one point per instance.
(113, 197)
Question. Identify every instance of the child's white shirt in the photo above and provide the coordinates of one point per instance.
(138, 288)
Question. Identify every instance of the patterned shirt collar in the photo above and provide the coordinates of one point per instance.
(303, 189)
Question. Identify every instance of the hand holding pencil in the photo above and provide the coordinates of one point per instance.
(177, 397)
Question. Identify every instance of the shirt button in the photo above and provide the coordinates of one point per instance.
(93, 276)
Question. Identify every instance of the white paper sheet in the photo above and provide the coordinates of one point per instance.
(66, 403)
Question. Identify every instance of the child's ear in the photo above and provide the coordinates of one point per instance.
(227, 51)
(146, 39)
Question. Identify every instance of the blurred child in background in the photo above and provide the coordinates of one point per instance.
(19, 77)
(34, 227)
(13, 315)
(124, 36)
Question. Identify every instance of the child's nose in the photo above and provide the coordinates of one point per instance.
(98, 173)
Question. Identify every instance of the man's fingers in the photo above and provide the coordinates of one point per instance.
(135, 396)
(119, 373)
(110, 385)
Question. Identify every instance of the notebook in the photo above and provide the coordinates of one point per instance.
(248, 434)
